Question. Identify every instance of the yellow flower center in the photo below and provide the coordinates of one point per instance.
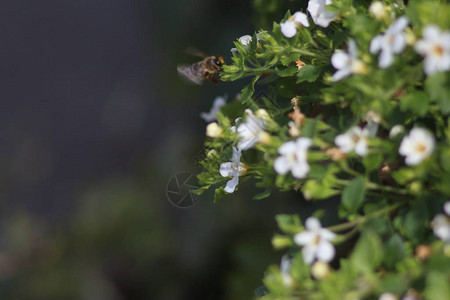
(421, 148)
(438, 50)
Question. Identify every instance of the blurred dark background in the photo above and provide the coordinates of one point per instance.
(94, 122)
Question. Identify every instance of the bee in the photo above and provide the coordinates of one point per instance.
(204, 69)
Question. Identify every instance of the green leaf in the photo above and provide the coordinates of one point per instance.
(314, 189)
(394, 250)
(368, 253)
(218, 194)
(263, 195)
(437, 286)
(261, 291)
(415, 222)
(247, 93)
(372, 162)
(437, 87)
(287, 71)
(353, 194)
(308, 73)
(232, 110)
(289, 223)
(403, 176)
(417, 102)
(286, 87)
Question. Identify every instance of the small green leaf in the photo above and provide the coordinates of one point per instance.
(436, 87)
(261, 291)
(353, 194)
(289, 223)
(403, 176)
(287, 71)
(394, 250)
(415, 222)
(372, 162)
(417, 102)
(218, 194)
(308, 73)
(437, 287)
(263, 195)
(368, 252)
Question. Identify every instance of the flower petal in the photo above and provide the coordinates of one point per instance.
(281, 165)
(376, 43)
(287, 148)
(447, 208)
(341, 74)
(288, 29)
(226, 169)
(398, 43)
(385, 59)
(301, 18)
(399, 25)
(303, 143)
(340, 60)
(308, 254)
(304, 238)
(231, 185)
(431, 32)
(327, 234)
(300, 169)
(236, 159)
(361, 147)
(352, 49)
(325, 251)
(312, 224)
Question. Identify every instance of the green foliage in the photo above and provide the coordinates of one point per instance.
(391, 181)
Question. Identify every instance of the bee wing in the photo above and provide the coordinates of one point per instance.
(191, 74)
(195, 52)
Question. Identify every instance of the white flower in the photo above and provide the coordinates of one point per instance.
(316, 242)
(393, 41)
(355, 139)
(211, 115)
(417, 146)
(435, 46)
(347, 63)
(441, 224)
(233, 169)
(319, 12)
(378, 10)
(245, 40)
(289, 28)
(441, 227)
(285, 268)
(293, 158)
(387, 296)
(396, 130)
(250, 131)
(447, 208)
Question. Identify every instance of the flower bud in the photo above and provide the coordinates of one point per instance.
(320, 270)
(387, 296)
(262, 114)
(265, 138)
(396, 130)
(358, 67)
(213, 130)
(423, 252)
(378, 10)
(212, 154)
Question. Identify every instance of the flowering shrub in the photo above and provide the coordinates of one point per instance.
(348, 100)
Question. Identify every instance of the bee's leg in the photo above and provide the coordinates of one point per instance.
(210, 77)
(214, 79)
